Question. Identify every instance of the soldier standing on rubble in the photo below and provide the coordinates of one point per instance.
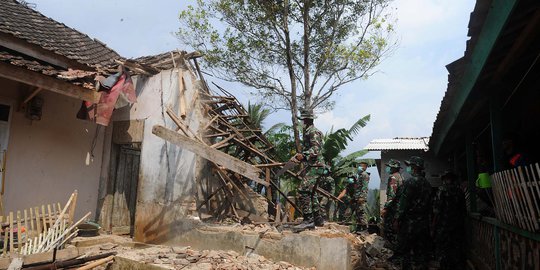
(313, 159)
(448, 225)
(395, 181)
(413, 217)
(355, 196)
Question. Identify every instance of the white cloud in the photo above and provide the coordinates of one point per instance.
(426, 21)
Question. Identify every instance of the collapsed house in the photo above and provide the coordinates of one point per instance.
(149, 147)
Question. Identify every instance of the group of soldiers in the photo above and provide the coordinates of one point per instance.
(422, 224)
(317, 174)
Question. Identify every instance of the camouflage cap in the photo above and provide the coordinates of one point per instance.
(393, 163)
(415, 161)
(306, 114)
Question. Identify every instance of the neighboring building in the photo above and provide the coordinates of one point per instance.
(493, 95)
(402, 149)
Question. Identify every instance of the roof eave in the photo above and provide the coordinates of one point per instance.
(495, 21)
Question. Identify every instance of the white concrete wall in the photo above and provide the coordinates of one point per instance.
(433, 167)
(167, 176)
(48, 159)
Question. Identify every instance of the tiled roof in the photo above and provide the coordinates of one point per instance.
(27, 24)
(420, 143)
(77, 77)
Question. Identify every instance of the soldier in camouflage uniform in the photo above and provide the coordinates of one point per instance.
(413, 217)
(313, 159)
(448, 224)
(395, 181)
(355, 196)
(327, 183)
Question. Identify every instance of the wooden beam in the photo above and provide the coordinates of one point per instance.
(39, 53)
(209, 153)
(39, 80)
(269, 165)
(32, 95)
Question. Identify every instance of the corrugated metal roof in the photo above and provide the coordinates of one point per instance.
(456, 68)
(420, 143)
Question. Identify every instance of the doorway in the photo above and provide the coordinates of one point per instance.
(125, 176)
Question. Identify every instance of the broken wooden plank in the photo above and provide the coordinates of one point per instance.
(11, 247)
(32, 95)
(38, 222)
(37, 79)
(64, 254)
(278, 164)
(222, 142)
(207, 152)
(181, 95)
(19, 232)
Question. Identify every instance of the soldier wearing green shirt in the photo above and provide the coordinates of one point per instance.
(313, 159)
(413, 217)
(393, 186)
(354, 196)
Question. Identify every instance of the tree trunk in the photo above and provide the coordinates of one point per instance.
(307, 88)
(294, 104)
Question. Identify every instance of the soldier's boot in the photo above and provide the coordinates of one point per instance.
(307, 224)
(360, 228)
(318, 219)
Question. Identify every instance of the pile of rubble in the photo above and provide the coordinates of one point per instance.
(187, 258)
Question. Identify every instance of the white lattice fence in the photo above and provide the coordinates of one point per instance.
(517, 196)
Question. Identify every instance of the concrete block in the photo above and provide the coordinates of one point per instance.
(335, 254)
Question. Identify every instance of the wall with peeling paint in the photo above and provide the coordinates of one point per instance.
(48, 159)
(167, 186)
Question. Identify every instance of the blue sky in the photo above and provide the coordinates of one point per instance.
(403, 97)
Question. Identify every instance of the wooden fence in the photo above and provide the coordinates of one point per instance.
(516, 195)
(494, 245)
(38, 229)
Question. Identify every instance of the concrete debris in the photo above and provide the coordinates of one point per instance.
(188, 258)
(108, 246)
(376, 254)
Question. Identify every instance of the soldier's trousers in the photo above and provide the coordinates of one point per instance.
(388, 222)
(307, 197)
(326, 203)
(413, 243)
(450, 249)
(357, 211)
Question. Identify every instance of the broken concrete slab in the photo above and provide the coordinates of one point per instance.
(322, 248)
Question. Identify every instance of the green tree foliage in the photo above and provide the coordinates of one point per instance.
(257, 113)
(297, 53)
(334, 142)
(283, 141)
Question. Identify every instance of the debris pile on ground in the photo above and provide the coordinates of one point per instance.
(187, 258)
(376, 255)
